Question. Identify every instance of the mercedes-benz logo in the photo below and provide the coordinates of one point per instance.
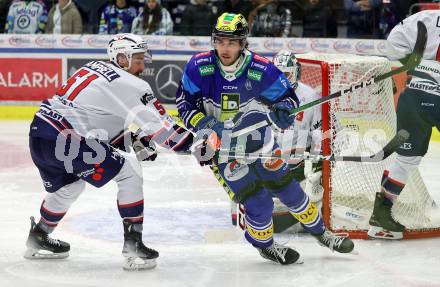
(167, 81)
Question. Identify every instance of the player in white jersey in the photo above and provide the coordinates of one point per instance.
(305, 136)
(26, 17)
(418, 111)
(402, 38)
(75, 137)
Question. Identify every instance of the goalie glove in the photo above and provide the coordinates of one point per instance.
(313, 187)
(144, 148)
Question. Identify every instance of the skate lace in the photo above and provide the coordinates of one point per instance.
(52, 241)
(333, 240)
(278, 250)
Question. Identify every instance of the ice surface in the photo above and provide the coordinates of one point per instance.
(187, 220)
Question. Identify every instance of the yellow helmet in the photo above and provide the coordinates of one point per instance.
(231, 26)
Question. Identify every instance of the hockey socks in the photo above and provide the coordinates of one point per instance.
(308, 214)
(259, 234)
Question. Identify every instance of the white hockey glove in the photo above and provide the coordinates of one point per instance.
(313, 187)
(144, 148)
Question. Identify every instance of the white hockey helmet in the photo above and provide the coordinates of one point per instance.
(127, 44)
(287, 63)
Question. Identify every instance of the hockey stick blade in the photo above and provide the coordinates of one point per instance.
(413, 61)
(385, 152)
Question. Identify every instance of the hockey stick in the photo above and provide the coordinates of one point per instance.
(385, 152)
(412, 61)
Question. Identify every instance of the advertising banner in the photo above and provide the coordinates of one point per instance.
(25, 79)
(186, 45)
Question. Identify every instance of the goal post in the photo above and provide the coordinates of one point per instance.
(358, 124)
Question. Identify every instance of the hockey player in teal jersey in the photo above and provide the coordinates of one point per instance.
(231, 82)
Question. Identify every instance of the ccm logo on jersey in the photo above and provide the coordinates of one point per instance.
(229, 88)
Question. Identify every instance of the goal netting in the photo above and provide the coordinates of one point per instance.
(361, 123)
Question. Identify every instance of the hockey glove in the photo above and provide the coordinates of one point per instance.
(280, 115)
(144, 148)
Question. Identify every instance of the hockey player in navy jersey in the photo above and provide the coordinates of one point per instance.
(75, 136)
(230, 82)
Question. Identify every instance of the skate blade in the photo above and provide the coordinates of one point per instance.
(376, 232)
(138, 264)
(37, 254)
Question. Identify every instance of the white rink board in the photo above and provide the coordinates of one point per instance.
(187, 221)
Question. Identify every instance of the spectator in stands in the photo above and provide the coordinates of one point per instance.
(271, 20)
(197, 19)
(387, 19)
(242, 7)
(401, 8)
(363, 18)
(26, 17)
(154, 20)
(4, 7)
(64, 18)
(117, 17)
(319, 20)
(90, 13)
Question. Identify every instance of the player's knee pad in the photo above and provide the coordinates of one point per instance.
(291, 194)
(62, 199)
(130, 194)
(277, 180)
(259, 207)
(129, 178)
(56, 204)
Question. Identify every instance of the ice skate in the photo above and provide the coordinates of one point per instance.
(279, 253)
(137, 255)
(41, 246)
(335, 242)
(382, 223)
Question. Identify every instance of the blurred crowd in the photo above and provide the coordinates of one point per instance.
(266, 18)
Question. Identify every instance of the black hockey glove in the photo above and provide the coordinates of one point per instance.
(144, 148)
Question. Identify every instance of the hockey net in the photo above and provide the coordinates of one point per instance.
(360, 124)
